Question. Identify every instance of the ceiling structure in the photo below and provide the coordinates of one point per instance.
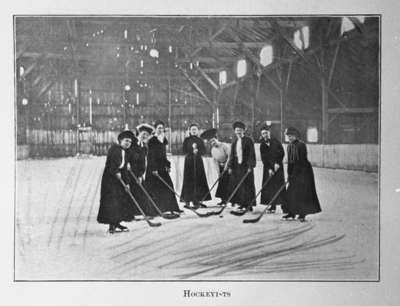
(109, 53)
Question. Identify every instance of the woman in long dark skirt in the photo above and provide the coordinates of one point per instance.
(272, 154)
(195, 185)
(158, 164)
(115, 204)
(301, 194)
(138, 163)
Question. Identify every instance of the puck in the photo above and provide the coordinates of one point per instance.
(221, 216)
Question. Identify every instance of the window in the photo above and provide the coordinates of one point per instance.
(241, 68)
(222, 77)
(348, 25)
(312, 134)
(302, 38)
(266, 55)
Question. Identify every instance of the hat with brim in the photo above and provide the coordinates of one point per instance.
(238, 124)
(209, 134)
(291, 131)
(126, 134)
(265, 127)
(144, 127)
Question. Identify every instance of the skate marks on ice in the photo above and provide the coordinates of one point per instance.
(57, 236)
(293, 248)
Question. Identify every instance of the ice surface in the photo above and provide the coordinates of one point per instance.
(58, 238)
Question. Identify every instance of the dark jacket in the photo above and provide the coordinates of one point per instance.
(301, 194)
(115, 204)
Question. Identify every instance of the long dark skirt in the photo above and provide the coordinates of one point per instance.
(272, 187)
(301, 195)
(115, 204)
(223, 190)
(195, 185)
(246, 193)
(163, 197)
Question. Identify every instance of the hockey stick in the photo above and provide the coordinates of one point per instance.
(237, 213)
(212, 187)
(173, 191)
(232, 194)
(163, 215)
(126, 188)
(267, 207)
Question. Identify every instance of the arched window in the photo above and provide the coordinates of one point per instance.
(302, 38)
(241, 68)
(266, 55)
(348, 25)
(222, 77)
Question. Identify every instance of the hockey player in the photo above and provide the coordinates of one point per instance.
(194, 185)
(220, 153)
(115, 205)
(159, 165)
(272, 154)
(301, 194)
(242, 160)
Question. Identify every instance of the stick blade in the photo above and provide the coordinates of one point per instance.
(154, 224)
(170, 216)
(251, 220)
(238, 213)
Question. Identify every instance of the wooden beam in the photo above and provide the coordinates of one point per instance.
(232, 45)
(209, 80)
(319, 73)
(197, 87)
(45, 88)
(208, 60)
(210, 39)
(353, 110)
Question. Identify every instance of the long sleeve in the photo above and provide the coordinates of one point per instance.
(151, 157)
(185, 146)
(300, 164)
(251, 161)
(232, 155)
(201, 146)
(264, 155)
(279, 153)
(114, 159)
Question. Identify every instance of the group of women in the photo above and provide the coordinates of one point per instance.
(142, 159)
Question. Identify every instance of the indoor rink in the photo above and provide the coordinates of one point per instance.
(80, 81)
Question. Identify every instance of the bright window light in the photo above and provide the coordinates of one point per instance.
(21, 71)
(126, 34)
(241, 68)
(312, 134)
(266, 55)
(154, 53)
(141, 63)
(24, 101)
(302, 38)
(347, 25)
(222, 77)
(306, 36)
(137, 98)
(170, 49)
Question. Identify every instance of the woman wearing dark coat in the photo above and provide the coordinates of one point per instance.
(138, 162)
(157, 163)
(301, 194)
(115, 204)
(195, 185)
(272, 154)
(242, 160)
